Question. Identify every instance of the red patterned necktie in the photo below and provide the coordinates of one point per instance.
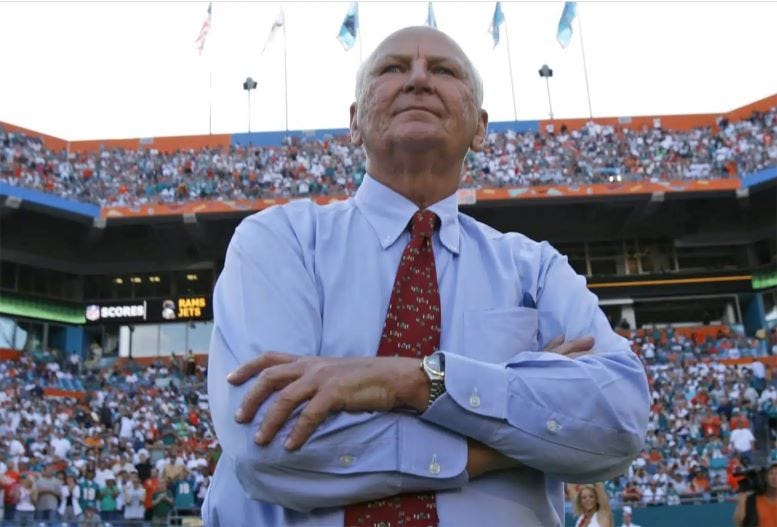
(411, 329)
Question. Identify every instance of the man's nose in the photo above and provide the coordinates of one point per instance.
(418, 78)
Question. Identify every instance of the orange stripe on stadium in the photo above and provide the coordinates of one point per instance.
(672, 281)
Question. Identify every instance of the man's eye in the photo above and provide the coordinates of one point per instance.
(393, 68)
(443, 70)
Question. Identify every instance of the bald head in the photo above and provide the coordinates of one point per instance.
(472, 74)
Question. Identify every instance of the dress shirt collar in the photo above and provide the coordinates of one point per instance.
(389, 213)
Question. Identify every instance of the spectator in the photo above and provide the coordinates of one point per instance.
(90, 491)
(48, 489)
(151, 485)
(672, 496)
(10, 482)
(28, 495)
(69, 504)
(91, 518)
(143, 466)
(627, 517)
(743, 441)
(631, 493)
(108, 504)
(162, 503)
(653, 494)
(134, 499)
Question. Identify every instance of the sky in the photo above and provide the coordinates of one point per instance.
(99, 70)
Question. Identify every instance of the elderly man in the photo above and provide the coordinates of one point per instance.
(399, 344)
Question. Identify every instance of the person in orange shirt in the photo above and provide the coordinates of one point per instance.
(711, 424)
(700, 484)
(759, 508)
(151, 485)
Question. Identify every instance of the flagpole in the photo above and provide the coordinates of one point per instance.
(510, 68)
(359, 32)
(585, 68)
(285, 78)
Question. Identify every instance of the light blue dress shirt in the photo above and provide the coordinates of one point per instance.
(313, 280)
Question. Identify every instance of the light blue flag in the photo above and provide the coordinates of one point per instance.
(431, 21)
(496, 21)
(564, 34)
(350, 26)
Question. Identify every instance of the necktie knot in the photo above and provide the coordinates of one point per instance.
(423, 223)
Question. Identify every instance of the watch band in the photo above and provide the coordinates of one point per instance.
(436, 389)
(434, 368)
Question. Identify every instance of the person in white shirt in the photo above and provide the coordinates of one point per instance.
(653, 494)
(104, 473)
(28, 495)
(70, 500)
(128, 425)
(743, 440)
(134, 499)
(627, 517)
(61, 445)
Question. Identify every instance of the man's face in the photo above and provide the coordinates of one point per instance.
(418, 94)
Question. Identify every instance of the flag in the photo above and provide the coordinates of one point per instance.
(564, 33)
(276, 25)
(497, 21)
(350, 26)
(431, 21)
(200, 41)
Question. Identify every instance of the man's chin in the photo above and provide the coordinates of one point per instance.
(419, 139)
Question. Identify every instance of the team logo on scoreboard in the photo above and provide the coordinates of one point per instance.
(92, 313)
(168, 310)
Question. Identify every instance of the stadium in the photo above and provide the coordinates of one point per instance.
(111, 250)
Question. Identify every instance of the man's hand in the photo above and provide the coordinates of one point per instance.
(328, 385)
(482, 459)
(572, 349)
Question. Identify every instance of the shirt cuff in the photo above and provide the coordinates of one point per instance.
(429, 451)
(471, 387)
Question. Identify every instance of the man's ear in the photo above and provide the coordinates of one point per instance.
(479, 139)
(356, 136)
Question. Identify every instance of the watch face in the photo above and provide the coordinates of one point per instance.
(433, 361)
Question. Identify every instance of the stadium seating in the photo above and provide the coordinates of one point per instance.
(595, 153)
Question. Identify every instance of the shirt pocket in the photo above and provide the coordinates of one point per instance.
(496, 335)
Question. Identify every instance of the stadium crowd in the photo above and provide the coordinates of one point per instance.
(700, 436)
(140, 447)
(331, 166)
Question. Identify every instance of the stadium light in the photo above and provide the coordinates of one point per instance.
(547, 73)
(248, 85)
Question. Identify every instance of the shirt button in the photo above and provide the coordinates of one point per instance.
(474, 399)
(552, 425)
(346, 460)
(434, 466)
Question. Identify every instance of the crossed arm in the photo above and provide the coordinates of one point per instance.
(330, 385)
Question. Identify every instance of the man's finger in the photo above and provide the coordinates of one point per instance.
(577, 345)
(261, 362)
(317, 409)
(270, 380)
(555, 343)
(577, 354)
(282, 407)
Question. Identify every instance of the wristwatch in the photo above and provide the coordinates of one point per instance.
(434, 367)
